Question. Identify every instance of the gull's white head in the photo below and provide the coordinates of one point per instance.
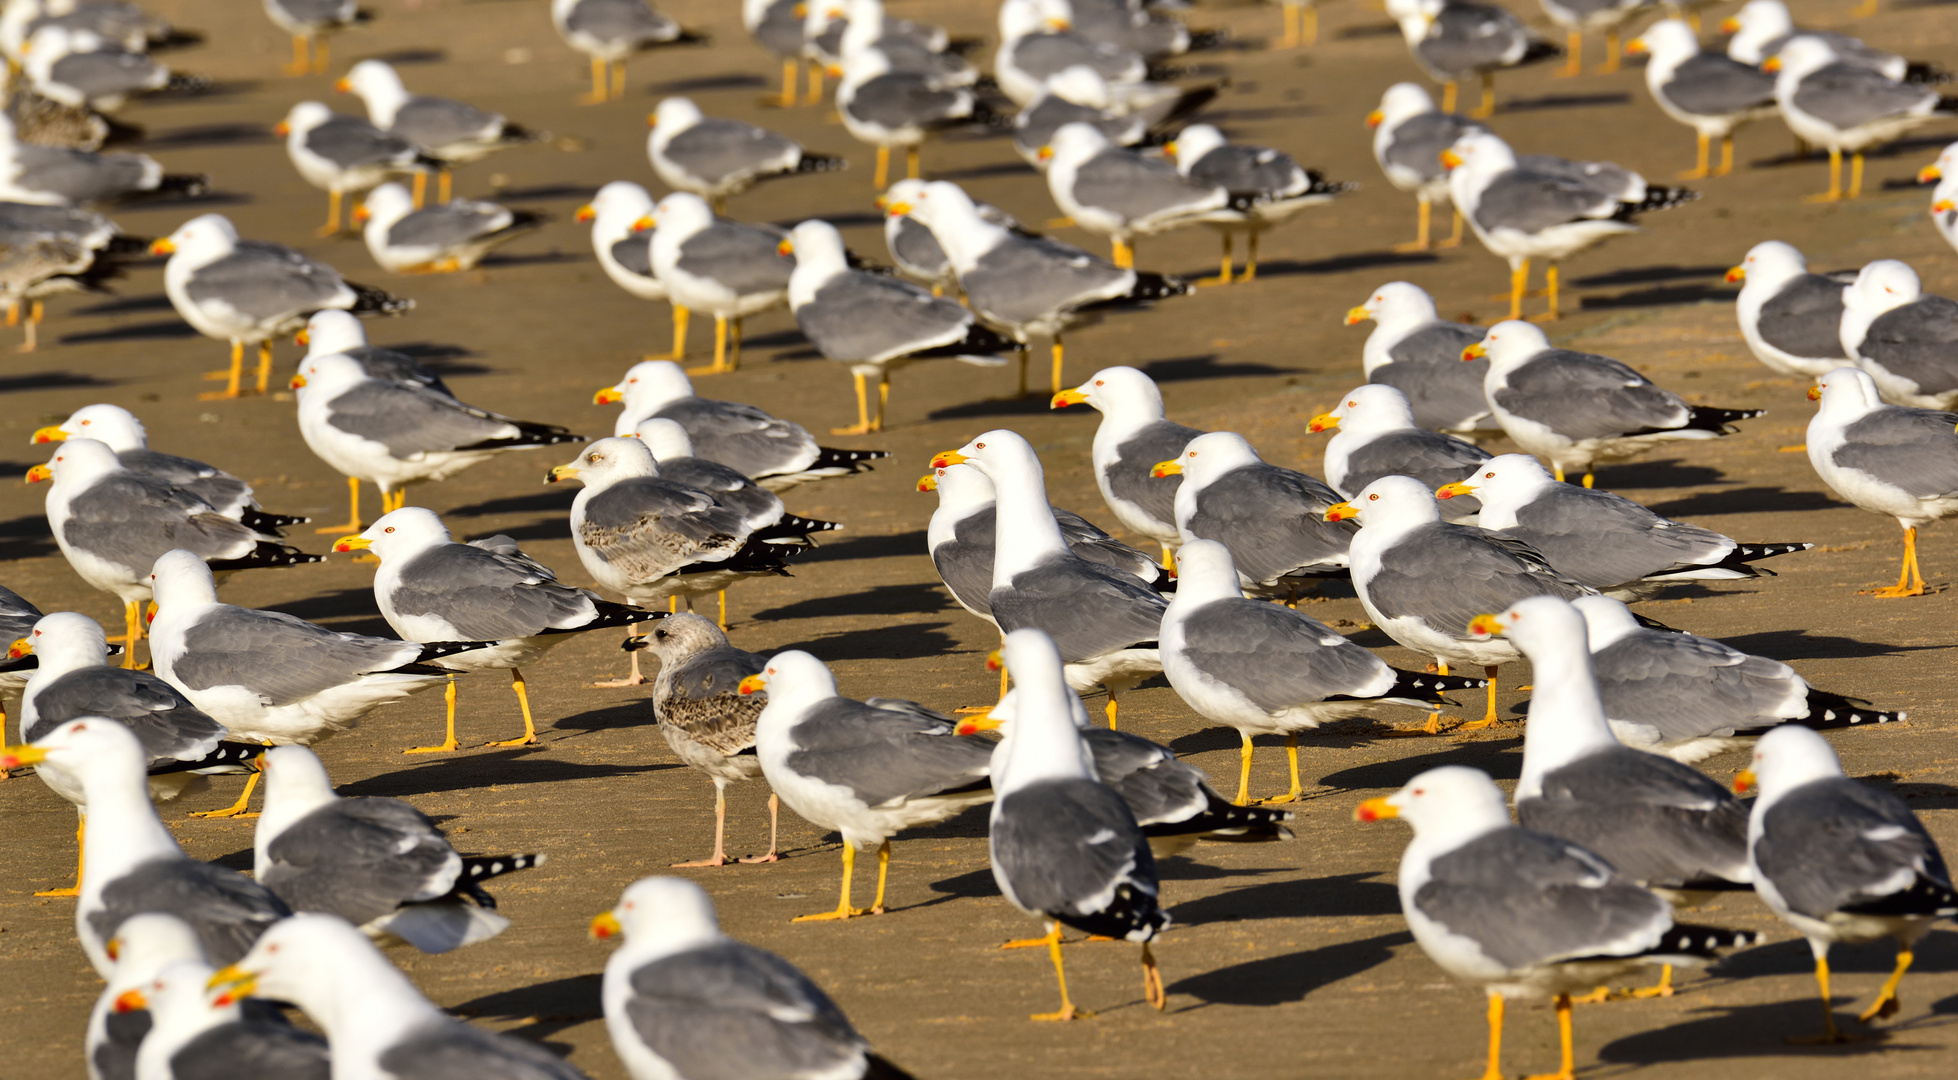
(378, 86)
(961, 490)
(1669, 41)
(665, 438)
(1205, 572)
(1881, 286)
(1192, 143)
(1390, 502)
(181, 579)
(1453, 803)
(112, 425)
(1605, 620)
(303, 118)
(676, 114)
(1367, 409)
(78, 463)
(647, 386)
(1000, 454)
(201, 240)
(1395, 306)
(333, 331)
(328, 374)
(385, 205)
(659, 916)
(1402, 101)
(1846, 394)
(1785, 759)
(1800, 57)
(616, 208)
(682, 212)
(150, 941)
(794, 681)
(1768, 266)
(64, 641)
(1480, 153)
(399, 534)
(1073, 144)
(1509, 344)
(606, 462)
(1503, 483)
(1207, 457)
(819, 256)
(90, 747)
(1116, 391)
(1757, 24)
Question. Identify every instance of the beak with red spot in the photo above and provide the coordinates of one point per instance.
(1345, 511)
(928, 482)
(1815, 392)
(130, 1001)
(1375, 119)
(39, 473)
(1745, 782)
(645, 223)
(298, 382)
(1068, 397)
(786, 247)
(50, 434)
(948, 457)
(605, 926)
(1450, 159)
(163, 246)
(16, 757)
(1930, 174)
(235, 982)
(352, 543)
(1449, 491)
(1374, 810)
(1356, 316)
(586, 214)
(21, 647)
(1172, 467)
(1772, 65)
(1475, 352)
(1325, 421)
(607, 396)
(1738, 273)
(752, 684)
(1485, 626)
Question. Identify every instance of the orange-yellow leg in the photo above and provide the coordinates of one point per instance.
(1726, 156)
(444, 186)
(1488, 106)
(1152, 981)
(1244, 771)
(1292, 760)
(1423, 217)
(1855, 174)
(1224, 272)
(231, 377)
(1455, 237)
(1662, 989)
(1568, 1071)
(1613, 53)
(1124, 256)
(1830, 1033)
(1910, 580)
(1702, 167)
(353, 511)
(1885, 1005)
(598, 93)
(1834, 194)
(881, 178)
(791, 76)
(1494, 1071)
(132, 632)
(81, 830)
(35, 311)
(322, 50)
(679, 337)
(862, 426)
(1290, 37)
(236, 809)
(1574, 49)
(332, 226)
(912, 169)
(1112, 710)
(1865, 9)
(1489, 717)
(1519, 281)
(264, 365)
(816, 87)
(1250, 273)
(523, 702)
(449, 739)
(722, 345)
(1550, 291)
(420, 192)
(843, 908)
(301, 61)
(1059, 354)
(1448, 95)
(1067, 1011)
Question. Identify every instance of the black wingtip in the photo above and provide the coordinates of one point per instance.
(1539, 51)
(266, 555)
(1153, 286)
(829, 457)
(184, 83)
(1833, 712)
(821, 163)
(1704, 941)
(1205, 40)
(1704, 418)
(181, 185)
(370, 301)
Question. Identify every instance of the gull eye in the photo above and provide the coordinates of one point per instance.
(593, 458)
(85, 423)
(1373, 498)
(389, 529)
(1352, 404)
(978, 446)
(1420, 791)
(1098, 382)
(1488, 476)
(632, 380)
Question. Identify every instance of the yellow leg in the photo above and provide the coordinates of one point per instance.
(863, 408)
(1726, 156)
(1224, 274)
(679, 337)
(1290, 38)
(1448, 93)
(1309, 26)
(444, 183)
(673, 605)
(301, 62)
(1519, 281)
(332, 226)
(449, 740)
(791, 75)
(1830, 1033)
(1454, 238)
(1112, 710)
(1612, 52)
(1589, 478)
(1910, 581)
(723, 609)
(883, 399)
(1564, 1042)
(1244, 772)
(1663, 989)
(720, 364)
(1067, 1011)
(35, 312)
(1865, 9)
(618, 80)
(1424, 215)
(1886, 1003)
(882, 176)
(421, 187)
(598, 90)
(1152, 980)
(264, 365)
(1489, 717)
(1292, 760)
(1251, 258)
(1550, 291)
(322, 49)
(1701, 169)
(883, 872)
(231, 377)
(1124, 255)
(1834, 194)
(1059, 352)
(81, 831)
(816, 87)
(353, 511)
(132, 632)
(1494, 1071)
(523, 702)
(1855, 174)
(734, 345)
(843, 908)
(911, 168)
(1488, 106)
(236, 809)
(1574, 50)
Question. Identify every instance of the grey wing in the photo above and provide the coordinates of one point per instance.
(914, 248)
(1069, 848)
(1603, 177)
(227, 909)
(1526, 899)
(1128, 475)
(729, 1011)
(698, 697)
(740, 257)
(280, 658)
(123, 1033)
(728, 487)
(1917, 341)
(1585, 396)
(1278, 658)
(1659, 823)
(1710, 84)
(716, 150)
(885, 756)
(163, 720)
(1042, 55)
(1471, 37)
(1531, 202)
(623, 21)
(388, 365)
(1805, 318)
(78, 175)
(131, 520)
(1428, 456)
(965, 563)
(780, 29)
(635, 253)
(1157, 787)
(1239, 169)
(901, 100)
(433, 122)
(266, 281)
(1138, 188)
(1846, 96)
(215, 486)
(487, 596)
(1273, 521)
(858, 316)
(252, 1048)
(1090, 542)
(1088, 609)
(1837, 845)
(1036, 124)
(446, 1049)
(349, 141)
(648, 527)
(360, 859)
(17, 616)
(448, 225)
(317, 13)
(742, 436)
(1686, 687)
(1603, 539)
(411, 420)
(1418, 142)
(1446, 575)
(1914, 449)
(105, 73)
(1020, 279)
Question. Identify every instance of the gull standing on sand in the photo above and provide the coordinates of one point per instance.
(1409, 134)
(343, 154)
(609, 31)
(1279, 187)
(715, 158)
(1120, 194)
(451, 132)
(1904, 337)
(1707, 91)
(624, 246)
(46, 250)
(1453, 40)
(1577, 16)
(1415, 351)
(333, 331)
(1374, 435)
(438, 239)
(248, 292)
(1846, 107)
(1791, 319)
(1132, 437)
(866, 771)
(1037, 44)
(1580, 410)
(776, 25)
(913, 247)
(60, 176)
(431, 588)
(725, 268)
(78, 68)
(886, 107)
(1271, 519)
(309, 22)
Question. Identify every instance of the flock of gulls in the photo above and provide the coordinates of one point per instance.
(1473, 559)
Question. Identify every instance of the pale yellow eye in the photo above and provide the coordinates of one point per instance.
(593, 458)
(389, 529)
(1098, 382)
(1373, 498)
(978, 446)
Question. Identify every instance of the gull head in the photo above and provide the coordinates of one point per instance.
(302, 118)
(399, 534)
(1205, 571)
(997, 453)
(203, 239)
(152, 939)
(675, 637)
(385, 205)
(1116, 390)
(180, 577)
(1192, 143)
(374, 82)
(1670, 42)
(660, 915)
(1508, 345)
(665, 438)
(1072, 144)
(1768, 265)
(1395, 305)
(1453, 799)
(674, 115)
(1367, 409)
(332, 331)
(1759, 20)
(1389, 502)
(1480, 153)
(1207, 457)
(64, 640)
(1800, 57)
(110, 424)
(1785, 759)
(1539, 625)
(311, 960)
(328, 374)
(77, 462)
(683, 212)
(961, 489)
(82, 746)
(1605, 620)
(1401, 102)
(648, 385)
(606, 462)
(1881, 286)
(1846, 394)
(616, 206)
(1502, 483)
(793, 679)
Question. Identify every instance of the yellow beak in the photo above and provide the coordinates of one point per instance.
(1485, 626)
(1730, 26)
(352, 543)
(39, 473)
(899, 209)
(973, 725)
(1772, 65)
(1636, 47)
(1375, 810)
(1815, 392)
(1475, 352)
(21, 647)
(1169, 150)
(995, 661)
(1172, 467)
(834, 71)
(362, 214)
(1738, 273)
(163, 246)
(751, 684)
(1943, 205)
(1376, 118)
(1450, 159)
(236, 983)
(928, 482)
(1067, 397)
(1046, 153)
(1449, 491)
(948, 457)
(282, 129)
(130, 1001)
(652, 120)
(50, 434)
(644, 223)
(562, 472)
(1745, 782)
(605, 925)
(586, 215)
(786, 247)
(298, 382)
(1355, 316)
(343, 85)
(13, 757)
(1341, 512)
(302, 337)
(149, 613)
(607, 396)
(1929, 173)
(1325, 421)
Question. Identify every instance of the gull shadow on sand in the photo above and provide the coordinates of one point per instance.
(1223, 117)
(1910, 147)
(977, 884)
(1747, 500)
(1665, 473)
(411, 56)
(1659, 296)
(1799, 644)
(145, 331)
(541, 258)
(128, 305)
(833, 548)
(542, 192)
(1335, 897)
(555, 500)
(1340, 264)
(705, 83)
(632, 714)
(1502, 759)
(468, 770)
(1562, 101)
(175, 203)
(50, 380)
(1014, 167)
(542, 1009)
(209, 135)
(347, 610)
(1033, 404)
(901, 641)
(1278, 980)
(26, 538)
(1646, 275)
(1937, 952)
(1369, 30)
(1744, 1031)
(1191, 368)
(917, 598)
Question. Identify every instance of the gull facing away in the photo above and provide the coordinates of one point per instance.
(1133, 436)
(1711, 93)
(1453, 40)
(1280, 188)
(624, 246)
(1846, 107)
(1904, 337)
(1271, 519)
(309, 22)
(451, 132)
(1121, 194)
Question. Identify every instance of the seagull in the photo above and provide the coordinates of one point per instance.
(1415, 351)
(309, 22)
(17, 618)
(761, 508)
(131, 864)
(1840, 861)
(1418, 577)
(1690, 698)
(682, 998)
(248, 292)
(122, 1019)
(380, 864)
(1375, 435)
(112, 523)
(651, 539)
(1761, 27)
(1409, 134)
(78, 68)
(1790, 318)
(437, 239)
(776, 25)
(1104, 621)
(1544, 207)
(194, 1034)
(120, 430)
(1902, 336)
(1521, 913)
(1577, 16)
(60, 176)
(1077, 94)
(344, 154)
(1581, 410)
(1891, 460)
(1133, 436)
(334, 331)
(1846, 107)
(625, 251)
(47, 249)
(725, 268)
(449, 131)
(1944, 200)
(1271, 519)
(1137, 27)
(705, 718)
(1604, 541)
(876, 323)
(1028, 286)
(1709, 92)
(866, 771)
(1064, 846)
(1037, 43)
(1121, 194)
(431, 588)
(393, 435)
(376, 1022)
(915, 250)
(1453, 40)
(774, 453)
(609, 31)
(886, 107)
(1280, 187)
(1266, 669)
(128, 26)
(716, 158)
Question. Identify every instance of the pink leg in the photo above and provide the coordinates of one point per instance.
(720, 822)
(774, 817)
